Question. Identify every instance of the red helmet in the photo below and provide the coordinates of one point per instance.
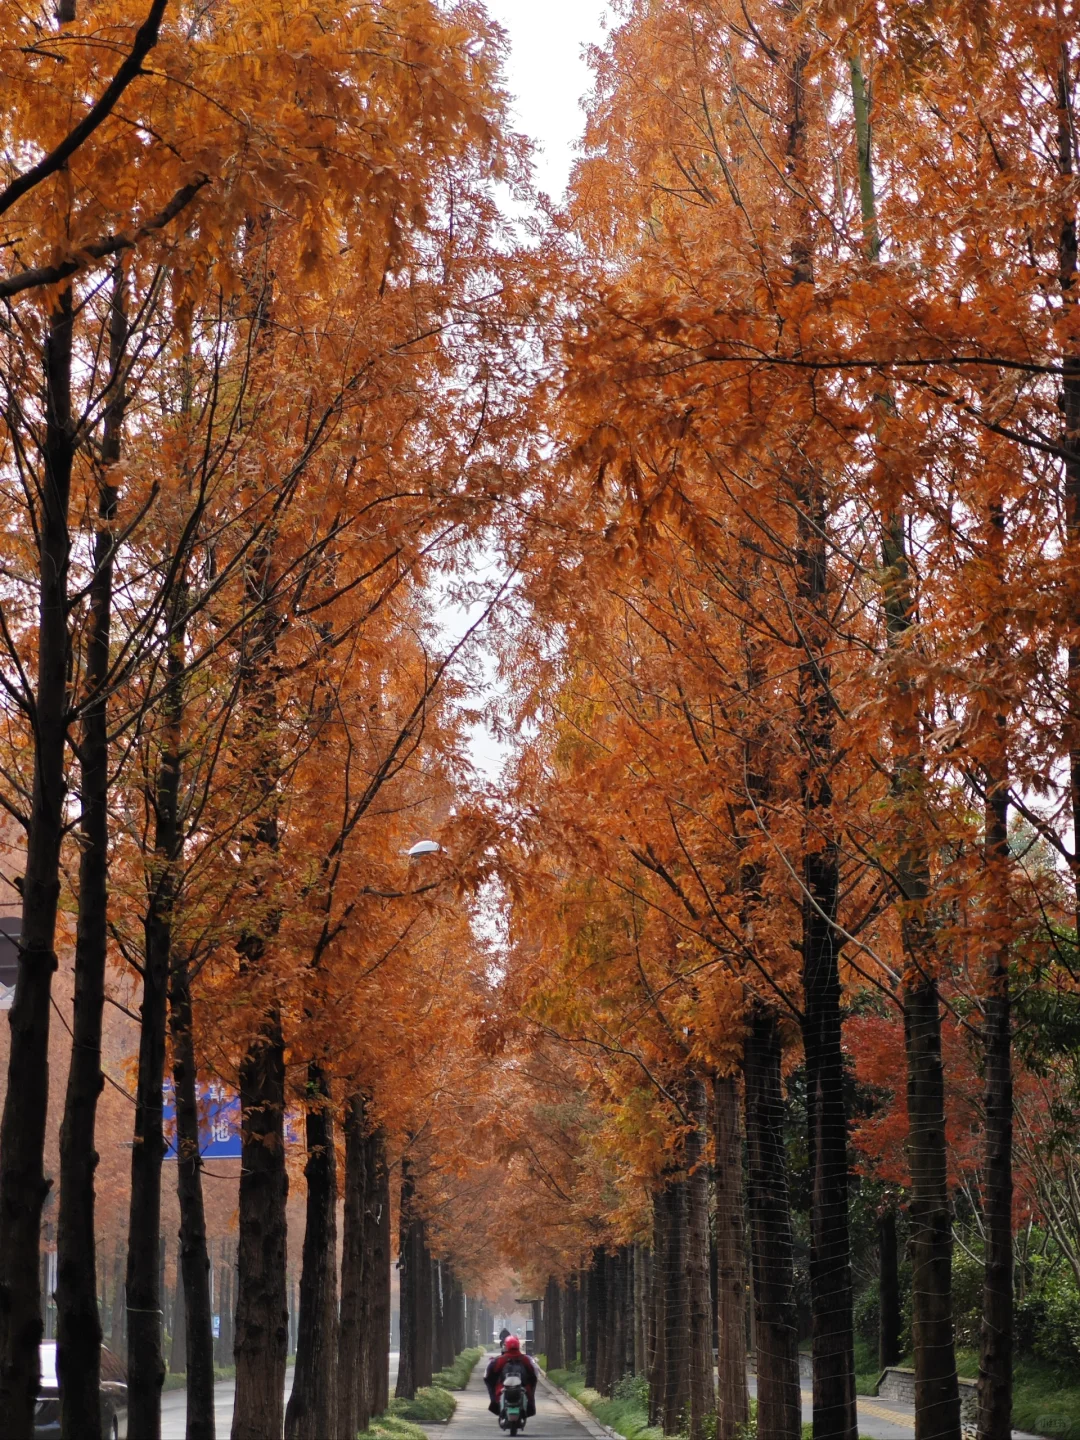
(512, 1344)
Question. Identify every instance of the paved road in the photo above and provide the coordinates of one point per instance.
(878, 1419)
(174, 1405)
(473, 1421)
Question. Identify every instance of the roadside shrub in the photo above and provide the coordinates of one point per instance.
(634, 1388)
(392, 1427)
(456, 1376)
(428, 1405)
(1048, 1317)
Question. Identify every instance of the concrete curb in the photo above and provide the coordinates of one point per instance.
(574, 1407)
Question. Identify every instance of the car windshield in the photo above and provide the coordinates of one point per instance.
(48, 1363)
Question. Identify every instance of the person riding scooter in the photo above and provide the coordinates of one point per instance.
(498, 1365)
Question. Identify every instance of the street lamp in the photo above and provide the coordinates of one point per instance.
(423, 847)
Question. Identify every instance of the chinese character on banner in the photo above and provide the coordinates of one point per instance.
(219, 1122)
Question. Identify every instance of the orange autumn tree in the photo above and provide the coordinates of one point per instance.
(395, 139)
(759, 371)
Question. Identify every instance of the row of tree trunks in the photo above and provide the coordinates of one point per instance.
(771, 1243)
(414, 1268)
(570, 1321)
(312, 1410)
(194, 1260)
(447, 1318)
(78, 1323)
(669, 1378)
(696, 1264)
(937, 1400)
(553, 1326)
(146, 1360)
(376, 1333)
(262, 1309)
(733, 1403)
(351, 1374)
(23, 1186)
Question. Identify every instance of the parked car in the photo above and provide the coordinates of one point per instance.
(113, 1396)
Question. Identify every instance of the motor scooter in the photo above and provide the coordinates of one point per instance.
(512, 1404)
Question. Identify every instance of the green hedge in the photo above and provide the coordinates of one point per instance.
(392, 1427)
(456, 1376)
(627, 1411)
(429, 1404)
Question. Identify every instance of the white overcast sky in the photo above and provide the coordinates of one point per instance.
(548, 75)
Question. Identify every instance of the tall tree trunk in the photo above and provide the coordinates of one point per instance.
(937, 1395)
(733, 1402)
(424, 1329)
(570, 1322)
(696, 1266)
(831, 1296)
(194, 1258)
(890, 1315)
(779, 1409)
(996, 1338)
(146, 1361)
(78, 1326)
(351, 1374)
(676, 1336)
(592, 1318)
(445, 1346)
(616, 1310)
(376, 1338)
(410, 1264)
(539, 1343)
(312, 1409)
(657, 1317)
(458, 1330)
(261, 1333)
(937, 1398)
(178, 1355)
(23, 1186)
(553, 1324)
(640, 1301)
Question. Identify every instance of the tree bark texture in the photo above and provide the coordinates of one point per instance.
(996, 1336)
(425, 1337)
(937, 1395)
(78, 1326)
(831, 1297)
(194, 1257)
(640, 1262)
(376, 1335)
(553, 1325)
(539, 1344)
(312, 1409)
(733, 1402)
(457, 1317)
(771, 1246)
(352, 1377)
(669, 1379)
(23, 1186)
(146, 1361)
(570, 1323)
(261, 1333)
(412, 1289)
(696, 1266)
(592, 1317)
